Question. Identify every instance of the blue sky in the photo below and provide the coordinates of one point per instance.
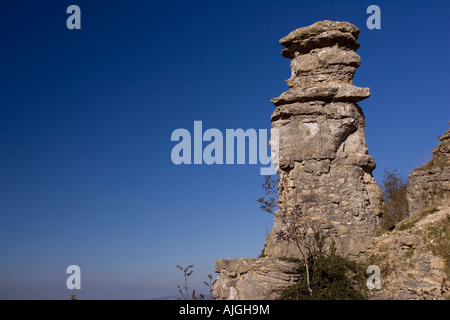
(86, 117)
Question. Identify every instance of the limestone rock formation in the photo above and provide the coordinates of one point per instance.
(324, 166)
(414, 259)
(431, 183)
(253, 278)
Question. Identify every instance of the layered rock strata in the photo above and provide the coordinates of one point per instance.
(430, 184)
(414, 257)
(324, 166)
(253, 278)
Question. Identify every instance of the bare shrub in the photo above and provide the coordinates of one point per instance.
(395, 202)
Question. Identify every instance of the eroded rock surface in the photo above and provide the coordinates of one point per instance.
(430, 183)
(414, 258)
(324, 166)
(253, 279)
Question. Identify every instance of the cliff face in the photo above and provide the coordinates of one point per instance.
(415, 257)
(431, 183)
(324, 166)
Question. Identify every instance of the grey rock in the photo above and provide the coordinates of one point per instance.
(430, 184)
(253, 279)
(325, 92)
(318, 35)
(324, 166)
(410, 268)
(322, 147)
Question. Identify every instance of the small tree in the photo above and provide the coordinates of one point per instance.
(394, 193)
(270, 187)
(322, 273)
(308, 244)
(297, 228)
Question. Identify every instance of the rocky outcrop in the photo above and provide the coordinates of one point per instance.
(430, 183)
(324, 166)
(253, 279)
(414, 259)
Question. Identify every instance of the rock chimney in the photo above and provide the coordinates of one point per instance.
(324, 166)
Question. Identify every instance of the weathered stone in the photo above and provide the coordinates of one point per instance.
(253, 279)
(410, 240)
(410, 268)
(322, 147)
(324, 166)
(413, 270)
(324, 92)
(430, 184)
(318, 35)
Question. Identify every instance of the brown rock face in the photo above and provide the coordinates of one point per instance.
(324, 166)
(253, 278)
(430, 183)
(414, 257)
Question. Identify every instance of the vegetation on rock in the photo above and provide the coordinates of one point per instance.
(395, 202)
(331, 277)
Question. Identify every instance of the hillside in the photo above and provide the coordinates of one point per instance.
(414, 259)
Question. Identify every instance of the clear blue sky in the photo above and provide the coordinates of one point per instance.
(86, 118)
